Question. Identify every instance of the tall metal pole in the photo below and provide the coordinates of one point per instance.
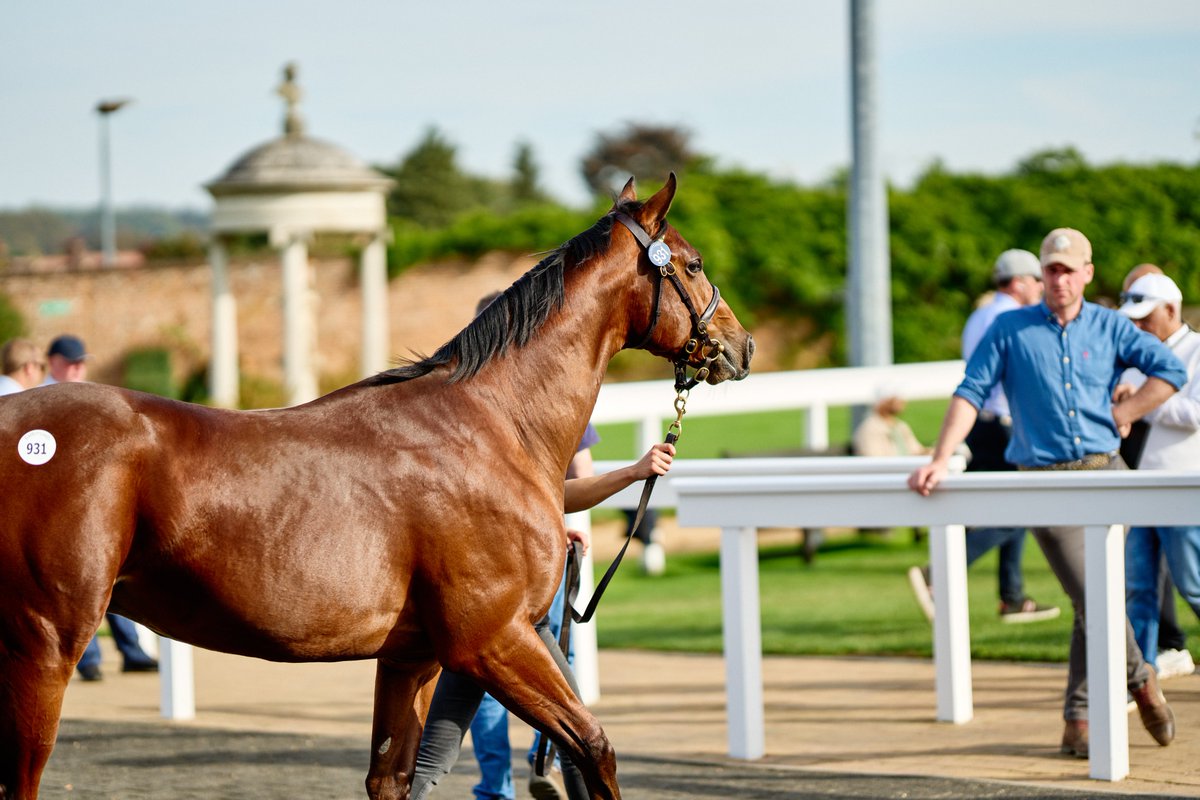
(868, 296)
(108, 219)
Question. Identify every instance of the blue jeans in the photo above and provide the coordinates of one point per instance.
(124, 636)
(493, 753)
(1011, 542)
(1145, 551)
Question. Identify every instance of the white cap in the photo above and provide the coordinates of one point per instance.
(1013, 263)
(1148, 293)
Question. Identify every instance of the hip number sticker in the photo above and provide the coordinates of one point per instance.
(37, 447)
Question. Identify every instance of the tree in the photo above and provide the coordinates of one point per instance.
(647, 152)
(12, 322)
(430, 188)
(524, 188)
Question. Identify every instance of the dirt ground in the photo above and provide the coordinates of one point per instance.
(129, 761)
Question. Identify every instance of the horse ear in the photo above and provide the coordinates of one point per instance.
(628, 194)
(656, 208)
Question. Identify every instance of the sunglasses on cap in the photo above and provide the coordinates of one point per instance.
(1129, 297)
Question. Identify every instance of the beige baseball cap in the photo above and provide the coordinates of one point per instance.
(1068, 247)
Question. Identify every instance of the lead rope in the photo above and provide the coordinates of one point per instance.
(545, 750)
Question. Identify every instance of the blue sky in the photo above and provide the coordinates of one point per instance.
(761, 84)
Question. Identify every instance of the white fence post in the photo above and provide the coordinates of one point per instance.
(816, 427)
(583, 636)
(1104, 559)
(951, 626)
(177, 685)
(743, 641)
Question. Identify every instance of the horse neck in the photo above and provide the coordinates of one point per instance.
(554, 378)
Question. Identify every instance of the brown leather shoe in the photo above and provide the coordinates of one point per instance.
(1155, 713)
(1075, 738)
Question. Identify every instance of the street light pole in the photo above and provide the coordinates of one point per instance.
(108, 220)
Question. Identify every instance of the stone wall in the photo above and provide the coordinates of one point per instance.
(116, 312)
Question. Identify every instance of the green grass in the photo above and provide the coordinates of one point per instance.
(853, 600)
(762, 433)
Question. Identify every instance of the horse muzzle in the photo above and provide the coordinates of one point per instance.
(733, 362)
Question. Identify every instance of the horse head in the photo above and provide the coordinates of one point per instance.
(686, 321)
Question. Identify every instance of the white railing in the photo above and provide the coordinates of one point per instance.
(648, 403)
(1097, 500)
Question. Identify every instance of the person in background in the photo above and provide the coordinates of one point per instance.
(23, 366)
(1173, 657)
(1017, 275)
(67, 358)
(883, 433)
(1172, 441)
(1058, 361)
(654, 556)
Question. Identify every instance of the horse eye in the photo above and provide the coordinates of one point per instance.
(695, 267)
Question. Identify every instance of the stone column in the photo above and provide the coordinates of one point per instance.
(223, 366)
(299, 325)
(374, 284)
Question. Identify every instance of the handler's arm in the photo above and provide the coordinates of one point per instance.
(1150, 396)
(580, 494)
(960, 418)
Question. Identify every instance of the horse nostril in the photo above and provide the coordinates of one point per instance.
(749, 348)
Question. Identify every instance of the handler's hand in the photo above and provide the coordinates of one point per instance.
(924, 479)
(657, 461)
(584, 538)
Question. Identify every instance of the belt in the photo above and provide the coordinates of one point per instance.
(992, 416)
(1090, 461)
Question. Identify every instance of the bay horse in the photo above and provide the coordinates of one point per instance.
(415, 517)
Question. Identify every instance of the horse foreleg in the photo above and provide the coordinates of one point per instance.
(530, 682)
(31, 695)
(402, 696)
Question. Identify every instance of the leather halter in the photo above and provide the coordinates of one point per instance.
(712, 347)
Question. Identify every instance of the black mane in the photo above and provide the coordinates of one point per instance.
(513, 317)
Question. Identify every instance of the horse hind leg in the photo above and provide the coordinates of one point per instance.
(402, 695)
(31, 695)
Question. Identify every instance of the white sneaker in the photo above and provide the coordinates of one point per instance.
(1173, 663)
(654, 559)
(918, 580)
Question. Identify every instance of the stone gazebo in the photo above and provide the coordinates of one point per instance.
(293, 187)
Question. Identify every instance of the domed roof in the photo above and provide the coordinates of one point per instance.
(296, 163)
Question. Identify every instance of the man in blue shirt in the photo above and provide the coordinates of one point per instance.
(1057, 362)
(1018, 278)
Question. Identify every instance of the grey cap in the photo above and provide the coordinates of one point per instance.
(1014, 263)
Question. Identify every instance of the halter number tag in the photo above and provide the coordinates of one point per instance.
(37, 447)
(660, 254)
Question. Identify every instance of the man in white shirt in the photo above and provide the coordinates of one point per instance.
(1153, 302)
(23, 366)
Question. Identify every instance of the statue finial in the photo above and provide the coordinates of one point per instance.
(289, 90)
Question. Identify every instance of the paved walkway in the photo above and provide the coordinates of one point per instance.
(837, 718)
